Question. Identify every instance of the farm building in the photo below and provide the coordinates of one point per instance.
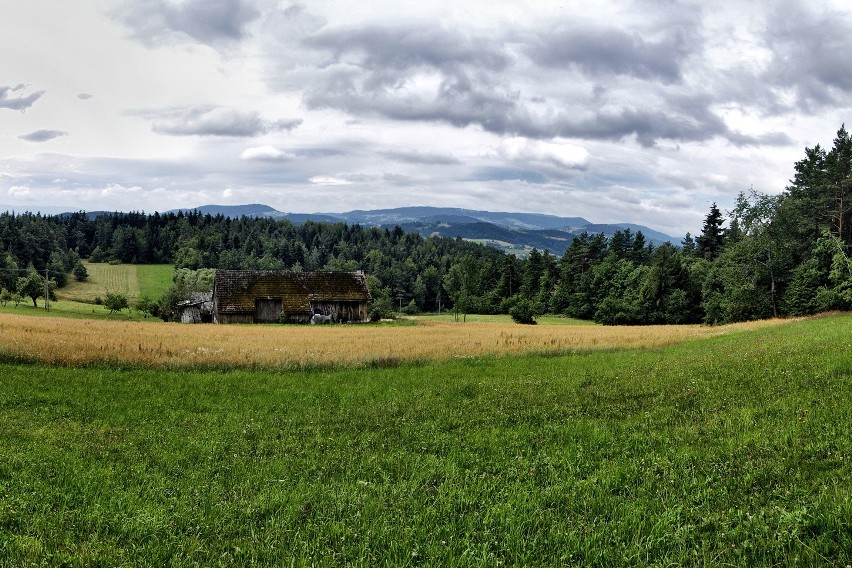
(197, 309)
(266, 296)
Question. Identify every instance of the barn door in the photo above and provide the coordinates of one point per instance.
(267, 311)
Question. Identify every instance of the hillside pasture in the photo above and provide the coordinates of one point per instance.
(732, 450)
(60, 341)
(131, 280)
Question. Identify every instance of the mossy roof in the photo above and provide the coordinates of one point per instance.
(236, 291)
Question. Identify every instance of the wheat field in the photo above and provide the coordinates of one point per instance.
(61, 341)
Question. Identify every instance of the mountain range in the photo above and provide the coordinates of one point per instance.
(516, 233)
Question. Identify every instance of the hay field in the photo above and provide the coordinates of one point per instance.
(132, 280)
(60, 341)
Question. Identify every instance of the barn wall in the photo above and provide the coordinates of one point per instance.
(342, 311)
(297, 318)
(267, 310)
(234, 318)
(190, 314)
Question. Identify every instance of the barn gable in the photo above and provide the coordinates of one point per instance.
(257, 296)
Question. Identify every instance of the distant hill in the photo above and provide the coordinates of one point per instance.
(251, 210)
(43, 209)
(529, 221)
(516, 233)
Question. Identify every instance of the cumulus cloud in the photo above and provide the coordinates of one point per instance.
(407, 46)
(560, 154)
(205, 21)
(266, 153)
(809, 50)
(20, 102)
(42, 135)
(600, 50)
(218, 121)
(415, 157)
(329, 180)
(540, 82)
(19, 191)
(116, 189)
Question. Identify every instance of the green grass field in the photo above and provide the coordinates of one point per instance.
(731, 451)
(75, 310)
(77, 299)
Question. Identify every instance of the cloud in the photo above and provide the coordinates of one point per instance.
(84, 96)
(525, 175)
(415, 157)
(116, 189)
(266, 154)
(558, 154)
(769, 139)
(329, 180)
(42, 135)
(601, 50)
(19, 191)
(426, 74)
(809, 55)
(218, 121)
(460, 98)
(411, 73)
(21, 103)
(205, 21)
(408, 46)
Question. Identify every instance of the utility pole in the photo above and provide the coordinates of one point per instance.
(46, 291)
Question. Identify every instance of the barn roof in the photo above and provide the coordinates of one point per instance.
(197, 299)
(235, 291)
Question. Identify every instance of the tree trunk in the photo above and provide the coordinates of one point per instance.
(772, 281)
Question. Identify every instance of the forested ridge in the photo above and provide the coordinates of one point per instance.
(772, 255)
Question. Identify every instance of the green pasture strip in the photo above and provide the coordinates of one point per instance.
(154, 279)
(735, 450)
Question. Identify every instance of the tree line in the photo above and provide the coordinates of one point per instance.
(772, 255)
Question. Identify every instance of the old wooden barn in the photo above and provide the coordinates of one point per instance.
(197, 308)
(266, 296)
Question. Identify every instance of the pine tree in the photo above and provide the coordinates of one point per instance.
(709, 244)
(687, 245)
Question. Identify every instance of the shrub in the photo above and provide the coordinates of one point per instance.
(167, 305)
(80, 272)
(115, 302)
(523, 312)
(146, 305)
(97, 255)
(382, 306)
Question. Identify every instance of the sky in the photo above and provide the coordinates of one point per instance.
(643, 112)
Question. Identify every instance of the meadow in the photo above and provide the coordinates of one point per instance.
(77, 300)
(726, 447)
(132, 280)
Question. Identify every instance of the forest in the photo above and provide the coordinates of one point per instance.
(773, 255)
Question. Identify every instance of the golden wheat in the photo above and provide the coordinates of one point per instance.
(78, 342)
